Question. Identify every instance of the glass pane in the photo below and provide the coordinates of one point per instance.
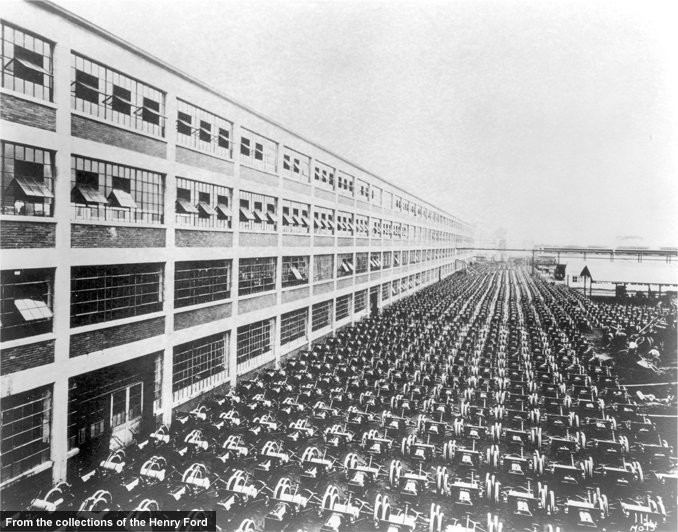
(118, 405)
(135, 397)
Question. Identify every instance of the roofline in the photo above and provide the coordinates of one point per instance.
(48, 5)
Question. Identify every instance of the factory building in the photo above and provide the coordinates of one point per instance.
(160, 241)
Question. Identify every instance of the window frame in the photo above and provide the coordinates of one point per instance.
(147, 103)
(10, 79)
(200, 282)
(256, 266)
(26, 195)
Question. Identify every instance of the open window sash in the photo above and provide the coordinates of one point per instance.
(223, 210)
(33, 309)
(91, 194)
(121, 198)
(297, 274)
(186, 207)
(288, 220)
(247, 214)
(206, 208)
(32, 187)
(259, 216)
(27, 64)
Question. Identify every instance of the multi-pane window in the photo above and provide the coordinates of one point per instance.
(294, 271)
(104, 293)
(257, 212)
(386, 259)
(295, 217)
(375, 261)
(204, 131)
(376, 228)
(27, 180)
(395, 230)
(26, 303)
(296, 165)
(106, 191)
(361, 260)
(323, 267)
(395, 290)
(360, 301)
(345, 183)
(405, 258)
(256, 275)
(197, 282)
(27, 63)
(201, 204)
(25, 425)
(403, 284)
(345, 265)
(385, 291)
(397, 203)
(199, 365)
(363, 190)
(361, 225)
(396, 259)
(254, 340)
(322, 315)
(293, 325)
(257, 151)
(110, 95)
(323, 175)
(386, 226)
(375, 194)
(345, 223)
(387, 201)
(343, 307)
(323, 221)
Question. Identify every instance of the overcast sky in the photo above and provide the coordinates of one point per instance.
(553, 120)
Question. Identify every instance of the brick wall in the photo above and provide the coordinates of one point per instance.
(256, 303)
(15, 109)
(323, 288)
(362, 242)
(26, 356)
(325, 194)
(343, 283)
(296, 186)
(190, 238)
(106, 236)
(344, 242)
(293, 295)
(258, 240)
(360, 279)
(114, 136)
(184, 320)
(375, 276)
(296, 241)
(324, 241)
(203, 160)
(19, 234)
(345, 201)
(256, 176)
(93, 341)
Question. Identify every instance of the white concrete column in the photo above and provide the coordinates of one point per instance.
(168, 301)
(62, 276)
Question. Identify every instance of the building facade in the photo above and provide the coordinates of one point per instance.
(160, 241)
